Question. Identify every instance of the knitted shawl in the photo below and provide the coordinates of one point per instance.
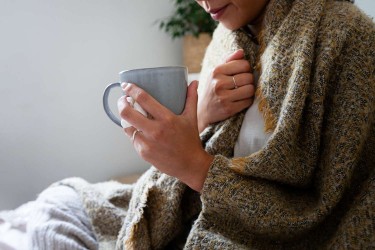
(312, 186)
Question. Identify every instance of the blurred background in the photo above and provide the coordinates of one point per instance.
(56, 59)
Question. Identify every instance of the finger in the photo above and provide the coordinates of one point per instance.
(242, 93)
(136, 136)
(132, 116)
(233, 68)
(129, 131)
(191, 101)
(243, 104)
(146, 101)
(241, 80)
(237, 55)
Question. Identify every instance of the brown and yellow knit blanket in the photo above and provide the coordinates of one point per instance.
(311, 187)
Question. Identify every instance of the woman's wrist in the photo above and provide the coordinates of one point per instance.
(201, 124)
(200, 167)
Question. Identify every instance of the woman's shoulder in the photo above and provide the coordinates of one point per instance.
(346, 29)
(346, 17)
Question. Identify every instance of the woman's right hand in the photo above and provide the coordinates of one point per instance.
(228, 90)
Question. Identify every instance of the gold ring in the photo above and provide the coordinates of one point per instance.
(134, 134)
(234, 82)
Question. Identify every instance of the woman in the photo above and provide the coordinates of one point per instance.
(303, 179)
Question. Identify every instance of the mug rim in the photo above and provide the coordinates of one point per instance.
(162, 67)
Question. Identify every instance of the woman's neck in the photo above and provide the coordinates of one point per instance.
(253, 31)
(256, 26)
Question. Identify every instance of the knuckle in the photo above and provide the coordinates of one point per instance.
(157, 134)
(221, 101)
(216, 83)
(130, 88)
(144, 151)
(169, 119)
(167, 124)
(128, 131)
(246, 65)
(216, 71)
(225, 106)
(124, 112)
(140, 96)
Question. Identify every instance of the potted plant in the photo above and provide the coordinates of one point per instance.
(190, 22)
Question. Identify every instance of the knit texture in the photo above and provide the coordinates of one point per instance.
(313, 184)
(58, 221)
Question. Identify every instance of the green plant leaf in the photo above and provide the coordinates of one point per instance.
(188, 18)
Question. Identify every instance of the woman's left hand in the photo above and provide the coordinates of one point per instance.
(169, 142)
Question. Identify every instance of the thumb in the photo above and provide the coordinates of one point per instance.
(191, 100)
(237, 55)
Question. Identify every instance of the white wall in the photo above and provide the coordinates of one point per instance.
(56, 57)
(367, 5)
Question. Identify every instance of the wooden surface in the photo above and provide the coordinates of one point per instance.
(128, 179)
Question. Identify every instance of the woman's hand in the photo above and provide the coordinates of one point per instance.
(169, 142)
(229, 90)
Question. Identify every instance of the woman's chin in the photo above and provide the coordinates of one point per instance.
(230, 26)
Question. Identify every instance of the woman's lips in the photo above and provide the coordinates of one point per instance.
(217, 13)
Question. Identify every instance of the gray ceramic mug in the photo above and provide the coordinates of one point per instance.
(168, 85)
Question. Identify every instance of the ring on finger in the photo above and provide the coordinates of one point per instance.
(134, 134)
(234, 82)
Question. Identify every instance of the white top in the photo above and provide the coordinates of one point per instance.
(252, 136)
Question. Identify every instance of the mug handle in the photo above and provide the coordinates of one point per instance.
(106, 105)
